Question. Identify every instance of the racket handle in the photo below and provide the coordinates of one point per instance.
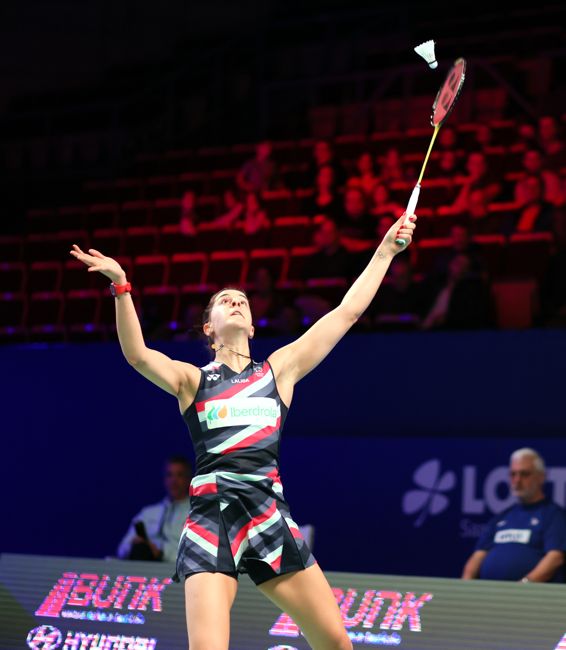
(411, 207)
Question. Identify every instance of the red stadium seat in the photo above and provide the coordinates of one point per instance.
(297, 258)
(44, 276)
(109, 241)
(516, 303)
(161, 187)
(227, 268)
(102, 215)
(166, 211)
(76, 276)
(11, 247)
(151, 270)
(13, 309)
(39, 220)
(187, 268)
(134, 213)
(172, 240)
(210, 237)
(160, 304)
(12, 277)
(275, 260)
(71, 217)
(277, 202)
(140, 240)
(428, 250)
(330, 289)
(292, 231)
(493, 252)
(45, 309)
(127, 189)
(82, 308)
(528, 254)
(43, 246)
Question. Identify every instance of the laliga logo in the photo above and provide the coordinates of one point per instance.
(429, 499)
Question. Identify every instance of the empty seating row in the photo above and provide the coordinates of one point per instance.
(503, 258)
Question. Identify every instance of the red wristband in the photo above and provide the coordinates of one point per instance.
(119, 289)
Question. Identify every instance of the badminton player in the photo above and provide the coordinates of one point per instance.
(235, 408)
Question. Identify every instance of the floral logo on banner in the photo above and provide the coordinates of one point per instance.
(429, 498)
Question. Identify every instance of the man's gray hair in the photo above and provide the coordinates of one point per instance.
(527, 452)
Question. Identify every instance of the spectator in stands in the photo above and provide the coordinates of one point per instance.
(383, 224)
(462, 301)
(553, 286)
(365, 179)
(232, 210)
(391, 167)
(254, 217)
(331, 258)
(536, 214)
(533, 165)
(483, 138)
(461, 243)
(551, 142)
(323, 156)
(357, 222)
(189, 217)
(155, 531)
(401, 300)
(381, 203)
(525, 138)
(265, 301)
(259, 173)
(527, 541)
(325, 200)
(480, 183)
(448, 164)
(447, 139)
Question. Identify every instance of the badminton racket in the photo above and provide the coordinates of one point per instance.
(441, 109)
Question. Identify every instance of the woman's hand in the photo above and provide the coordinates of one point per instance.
(96, 261)
(402, 229)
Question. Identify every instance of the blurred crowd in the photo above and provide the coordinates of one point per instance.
(353, 208)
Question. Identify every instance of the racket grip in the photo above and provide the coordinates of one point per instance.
(411, 207)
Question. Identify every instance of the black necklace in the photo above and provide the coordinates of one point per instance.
(217, 348)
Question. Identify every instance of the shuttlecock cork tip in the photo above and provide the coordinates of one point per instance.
(426, 50)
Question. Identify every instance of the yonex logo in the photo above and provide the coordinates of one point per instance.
(212, 377)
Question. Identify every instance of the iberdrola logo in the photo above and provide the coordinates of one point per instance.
(217, 412)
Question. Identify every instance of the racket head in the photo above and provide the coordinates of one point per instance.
(449, 92)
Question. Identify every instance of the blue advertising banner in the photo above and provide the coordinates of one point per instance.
(408, 506)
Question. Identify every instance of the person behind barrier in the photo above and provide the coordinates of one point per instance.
(527, 541)
(154, 532)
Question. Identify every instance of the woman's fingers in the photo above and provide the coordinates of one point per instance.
(95, 253)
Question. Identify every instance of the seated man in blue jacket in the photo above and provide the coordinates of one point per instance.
(527, 541)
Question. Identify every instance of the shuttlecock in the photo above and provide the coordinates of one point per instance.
(426, 50)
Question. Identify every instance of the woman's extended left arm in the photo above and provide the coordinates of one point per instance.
(292, 362)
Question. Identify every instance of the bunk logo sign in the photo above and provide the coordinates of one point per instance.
(88, 596)
(371, 617)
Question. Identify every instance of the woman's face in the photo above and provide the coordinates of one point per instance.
(230, 313)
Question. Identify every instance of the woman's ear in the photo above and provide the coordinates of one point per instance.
(252, 332)
(207, 329)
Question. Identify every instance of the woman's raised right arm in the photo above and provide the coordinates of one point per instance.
(175, 377)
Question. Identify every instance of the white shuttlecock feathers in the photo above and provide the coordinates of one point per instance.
(426, 50)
